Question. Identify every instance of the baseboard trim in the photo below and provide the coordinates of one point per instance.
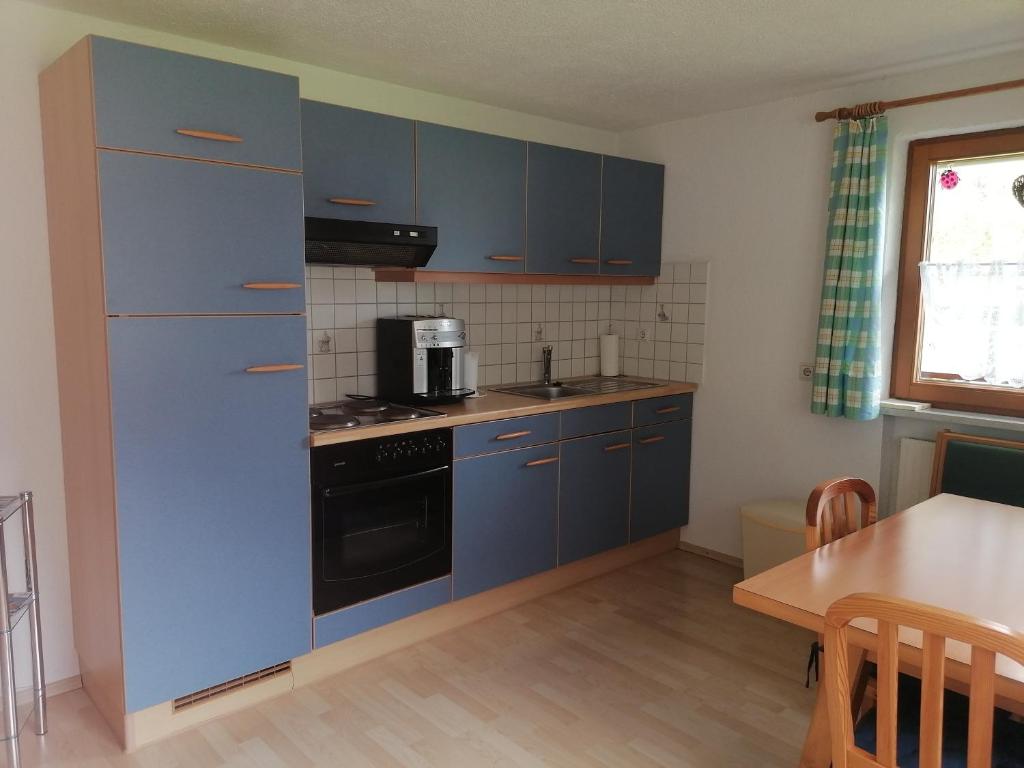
(64, 685)
(711, 554)
(160, 721)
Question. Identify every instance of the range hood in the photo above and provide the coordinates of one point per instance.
(368, 243)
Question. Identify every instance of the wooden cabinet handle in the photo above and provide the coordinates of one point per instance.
(512, 435)
(350, 201)
(505, 257)
(615, 447)
(651, 439)
(619, 262)
(209, 135)
(271, 286)
(583, 261)
(541, 462)
(667, 409)
(275, 368)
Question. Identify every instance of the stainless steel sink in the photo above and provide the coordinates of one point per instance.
(594, 385)
(542, 391)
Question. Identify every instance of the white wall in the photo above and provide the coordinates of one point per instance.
(29, 427)
(746, 190)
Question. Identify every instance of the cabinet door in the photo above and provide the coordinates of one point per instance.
(593, 498)
(504, 518)
(185, 237)
(661, 479)
(631, 202)
(212, 471)
(145, 96)
(357, 165)
(563, 205)
(472, 187)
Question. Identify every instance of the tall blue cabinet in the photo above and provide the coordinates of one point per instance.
(174, 197)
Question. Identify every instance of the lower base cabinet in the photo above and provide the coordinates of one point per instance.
(593, 511)
(660, 485)
(504, 518)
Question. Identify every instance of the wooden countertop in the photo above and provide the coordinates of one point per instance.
(493, 406)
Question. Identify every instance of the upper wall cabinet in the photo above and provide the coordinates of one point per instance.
(472, 187)
(357, 165)
(631, 204)
(563, 203)
(169, 103)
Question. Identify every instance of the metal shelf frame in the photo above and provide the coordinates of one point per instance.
(13, 607)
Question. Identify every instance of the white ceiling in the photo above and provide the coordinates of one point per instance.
(611, 64)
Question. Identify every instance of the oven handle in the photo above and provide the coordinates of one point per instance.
(344, 490)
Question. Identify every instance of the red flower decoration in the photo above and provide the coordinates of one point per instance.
(949, 179)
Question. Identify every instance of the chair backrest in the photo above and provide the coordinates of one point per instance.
(987, 640)
(832, 510)
(980, 467)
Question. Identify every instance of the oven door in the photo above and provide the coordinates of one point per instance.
(381, 536)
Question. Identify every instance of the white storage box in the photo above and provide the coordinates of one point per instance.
(773, 532)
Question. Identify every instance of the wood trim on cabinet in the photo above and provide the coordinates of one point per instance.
(209, 135)
(80, 326)
(905, 383)
(402, 275)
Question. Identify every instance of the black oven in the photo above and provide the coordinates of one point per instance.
(382, 516)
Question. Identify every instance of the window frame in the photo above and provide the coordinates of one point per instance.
(905, 384)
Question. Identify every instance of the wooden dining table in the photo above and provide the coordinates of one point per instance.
(958, 553)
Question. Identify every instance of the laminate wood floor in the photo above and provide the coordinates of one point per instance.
(651, 665)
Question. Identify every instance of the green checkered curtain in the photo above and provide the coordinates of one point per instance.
(847, 365)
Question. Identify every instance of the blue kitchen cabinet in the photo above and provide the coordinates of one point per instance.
(212, 487)
(660, 479)
(505, 434)
(593, 506)
(357, 165)
(151, 100)
(186, 237)
(472, 187)
(370, 614)
(504, 518)
(631, 206)
(563, 208)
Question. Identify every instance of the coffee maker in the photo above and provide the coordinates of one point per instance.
(420, 359)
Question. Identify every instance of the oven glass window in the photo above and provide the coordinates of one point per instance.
(376, 528)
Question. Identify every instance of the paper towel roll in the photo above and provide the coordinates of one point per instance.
(470, 371)
(610, 355)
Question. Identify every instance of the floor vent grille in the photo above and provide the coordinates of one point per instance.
(198, 697)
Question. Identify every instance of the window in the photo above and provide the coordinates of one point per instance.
(960, 311)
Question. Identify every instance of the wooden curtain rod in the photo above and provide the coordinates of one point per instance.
(878, 107)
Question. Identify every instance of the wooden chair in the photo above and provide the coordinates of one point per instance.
(832, 510)
(832, 514)
(980, 467)
(987, 640)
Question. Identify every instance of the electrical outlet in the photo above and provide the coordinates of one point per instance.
(643, 334)
(806, 371)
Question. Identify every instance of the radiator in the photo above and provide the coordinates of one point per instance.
(913, 471)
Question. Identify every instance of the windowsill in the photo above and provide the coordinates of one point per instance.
(899, 409)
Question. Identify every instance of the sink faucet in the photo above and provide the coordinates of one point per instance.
(546, 352)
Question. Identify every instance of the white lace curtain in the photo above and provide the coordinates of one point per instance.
(974, 321)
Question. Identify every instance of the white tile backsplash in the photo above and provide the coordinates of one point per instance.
(661, 326)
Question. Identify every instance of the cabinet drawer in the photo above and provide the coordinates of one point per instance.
(145, 96)
(593, 495)
(505, 434)
(184, 237)
(659, 409)
(380, 611)
(596, 419)
(505, 510)
(212, 471)
(357, 165)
